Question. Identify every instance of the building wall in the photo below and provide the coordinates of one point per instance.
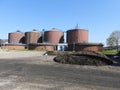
(42, 47)
(97, 48)
(13, 47)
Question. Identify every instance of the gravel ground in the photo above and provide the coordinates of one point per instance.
(19, 54)
(26, 70)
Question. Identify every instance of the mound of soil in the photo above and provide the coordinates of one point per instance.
(56, 52)
(83, 58)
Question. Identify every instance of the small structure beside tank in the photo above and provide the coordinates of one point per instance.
(42, 46)
(98, 47)
(13, 46)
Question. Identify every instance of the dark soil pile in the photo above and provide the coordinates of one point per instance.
(57, 52)
(83, 58)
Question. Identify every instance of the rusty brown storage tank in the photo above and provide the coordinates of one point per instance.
(32, 37)
(53, 36)
(16, 37)
(77, 36)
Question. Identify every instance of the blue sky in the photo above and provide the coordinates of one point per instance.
(100, 17)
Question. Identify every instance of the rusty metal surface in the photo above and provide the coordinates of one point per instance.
(16, 37)
(32, 37)
(77, 36)
(53, 36)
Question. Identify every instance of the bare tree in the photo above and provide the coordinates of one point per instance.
(114, 39)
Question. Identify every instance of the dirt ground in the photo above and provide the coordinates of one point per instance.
(26, 70)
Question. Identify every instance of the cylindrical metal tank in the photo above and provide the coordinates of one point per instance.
(32, 37)
(77, 36)
(53, 36)
(16, 37)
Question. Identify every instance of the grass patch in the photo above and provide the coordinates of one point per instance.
(109, 52)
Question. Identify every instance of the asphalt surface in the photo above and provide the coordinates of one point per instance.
(41, 73)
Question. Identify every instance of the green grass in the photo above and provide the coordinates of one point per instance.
(109, 52)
